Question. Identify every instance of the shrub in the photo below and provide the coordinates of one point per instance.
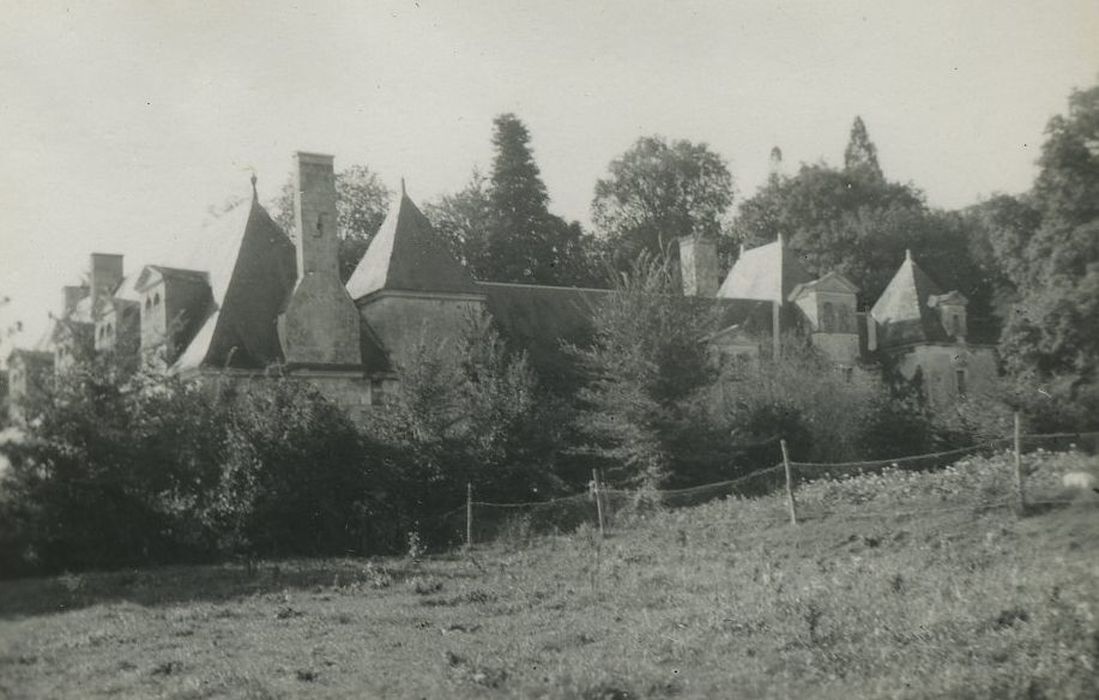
(645, 371)
(803, 399)
(121, 469)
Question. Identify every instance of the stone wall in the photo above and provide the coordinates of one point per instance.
(940, 365)
(403, 320)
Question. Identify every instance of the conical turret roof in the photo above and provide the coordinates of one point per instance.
(903, 312)
(407, 255)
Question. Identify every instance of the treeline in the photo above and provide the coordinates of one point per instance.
(119, 466)
(1028, 263)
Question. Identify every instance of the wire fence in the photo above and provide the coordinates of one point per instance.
(602, 508)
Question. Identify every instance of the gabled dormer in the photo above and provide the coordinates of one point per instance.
(951, 309)
(173, 302)
(829, 303)
(829, 307)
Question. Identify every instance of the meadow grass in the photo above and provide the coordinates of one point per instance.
(893, 585)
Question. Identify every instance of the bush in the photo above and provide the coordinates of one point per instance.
(645, 373)
(803, 399)
(469, 411)
(119, 469)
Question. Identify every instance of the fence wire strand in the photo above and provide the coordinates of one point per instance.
(492, 521)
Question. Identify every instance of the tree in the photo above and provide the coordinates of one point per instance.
(362, 200)
(463, 220)
(657, 192)
(525, 243)
(1051, 335)
(861, 155)
(500, 226)
(644, 370)
(470, 412)
(857, 222)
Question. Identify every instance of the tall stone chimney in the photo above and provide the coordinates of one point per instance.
(698, 266)
(320, 324)
(106, 273)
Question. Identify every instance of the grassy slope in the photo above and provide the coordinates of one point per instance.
(722, 600)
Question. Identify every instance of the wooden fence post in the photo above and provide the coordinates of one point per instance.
(1020, 494)
(469, 515)
(789, 484)
(598, 500)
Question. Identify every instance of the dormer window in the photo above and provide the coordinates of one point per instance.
(846, 323)
(828, 317)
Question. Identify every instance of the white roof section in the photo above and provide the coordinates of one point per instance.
(765, 273)
(213, 249)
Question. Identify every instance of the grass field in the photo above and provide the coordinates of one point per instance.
(897, 585)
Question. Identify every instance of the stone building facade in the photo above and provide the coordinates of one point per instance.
(255, 298)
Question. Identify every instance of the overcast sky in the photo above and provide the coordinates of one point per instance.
(124, 121)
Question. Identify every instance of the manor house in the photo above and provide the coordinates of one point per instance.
(253, 298)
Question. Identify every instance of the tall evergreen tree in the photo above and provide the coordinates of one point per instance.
(525, 242)
(500, 227)
(861, 155)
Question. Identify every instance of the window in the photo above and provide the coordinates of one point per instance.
(148, 304)
(956, 325)
(959, 377)
(156, 299)
(377, 392)
(848, 374)
(845, 324)
(828, 318)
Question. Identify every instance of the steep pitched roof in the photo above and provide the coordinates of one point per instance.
(903, 312)
(407, 255)
(831, 282)
(151, 273)
(768, 272)
(541, 320)
(251, 268)
(251, 271)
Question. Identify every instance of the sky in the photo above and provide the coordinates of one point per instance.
(125, 121)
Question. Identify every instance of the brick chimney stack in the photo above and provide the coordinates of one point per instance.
(71, 295)
(106, 274)
(320, 324)
(698, 266)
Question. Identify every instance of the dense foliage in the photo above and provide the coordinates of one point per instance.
(644, 368)
(115, 470)
(657, 192)
(856, 222)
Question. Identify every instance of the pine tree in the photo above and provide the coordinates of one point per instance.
(519, 245)
(861, 154)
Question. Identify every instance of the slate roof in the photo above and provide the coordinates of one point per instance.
(541, 320)
(407, 255)
(768, 272)
(903, 312)
(168, 273)
(251, 268)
